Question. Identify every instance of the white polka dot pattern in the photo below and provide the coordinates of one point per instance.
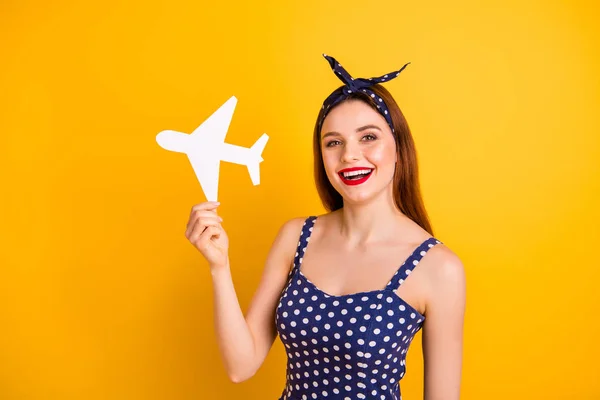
(346, 347)
(352, 85)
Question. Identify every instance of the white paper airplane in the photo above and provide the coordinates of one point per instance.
(206, 147)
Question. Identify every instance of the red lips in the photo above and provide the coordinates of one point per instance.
(352, 180)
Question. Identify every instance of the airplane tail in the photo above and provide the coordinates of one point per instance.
(256, 151)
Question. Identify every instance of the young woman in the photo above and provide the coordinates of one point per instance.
(348, 290)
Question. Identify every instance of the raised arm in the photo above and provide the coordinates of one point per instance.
(443, 328)
(244, 341)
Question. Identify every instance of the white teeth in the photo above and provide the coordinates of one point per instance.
(357, 172)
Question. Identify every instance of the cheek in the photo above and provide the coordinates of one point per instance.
(382, 154)
(327, 159)
(330, 162)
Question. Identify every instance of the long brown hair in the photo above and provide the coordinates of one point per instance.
(406, 189)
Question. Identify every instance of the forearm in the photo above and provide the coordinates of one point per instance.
(234, 337)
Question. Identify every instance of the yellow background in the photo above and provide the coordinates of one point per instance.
(101, 295)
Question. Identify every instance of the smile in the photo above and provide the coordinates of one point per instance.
(355, 176)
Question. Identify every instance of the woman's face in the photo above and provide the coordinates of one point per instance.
(359, 151)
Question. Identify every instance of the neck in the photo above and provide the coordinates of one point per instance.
(366, 223)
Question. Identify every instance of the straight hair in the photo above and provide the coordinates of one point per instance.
(406, 188)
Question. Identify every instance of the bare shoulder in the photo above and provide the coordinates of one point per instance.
(443, 264)
(292, 226)
(444, 273)
(286, 241)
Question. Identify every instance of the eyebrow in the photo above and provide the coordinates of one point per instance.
(362, 128)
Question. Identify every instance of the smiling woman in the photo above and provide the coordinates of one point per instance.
(407, 193)
(366, 173)
(346, 310)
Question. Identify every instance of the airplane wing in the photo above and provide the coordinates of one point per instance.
(214, 128)
(207, 172)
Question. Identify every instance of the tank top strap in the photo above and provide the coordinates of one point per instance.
(303, 242)
(411, 263)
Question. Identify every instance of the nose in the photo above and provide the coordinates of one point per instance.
(351, 152)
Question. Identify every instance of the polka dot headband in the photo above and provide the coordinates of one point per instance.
(352, 85)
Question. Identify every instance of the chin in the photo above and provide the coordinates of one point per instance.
(359, 197)
(358, 200)
(362, 195)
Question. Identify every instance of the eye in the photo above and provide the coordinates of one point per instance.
(371, 136)
(329, 144)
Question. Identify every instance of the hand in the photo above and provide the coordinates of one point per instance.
(205, 232)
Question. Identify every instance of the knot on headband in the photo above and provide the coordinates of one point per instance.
(352, 85)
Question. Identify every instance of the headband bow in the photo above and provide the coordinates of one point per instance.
(352, 85)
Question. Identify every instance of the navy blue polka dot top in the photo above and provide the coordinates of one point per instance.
(346, 347)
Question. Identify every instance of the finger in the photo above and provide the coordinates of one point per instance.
(198, 214)
(199, 225)
(204, 213)
(207, 235)
(194, 221)
(202, 225)
(190, 228)
(207, 205)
